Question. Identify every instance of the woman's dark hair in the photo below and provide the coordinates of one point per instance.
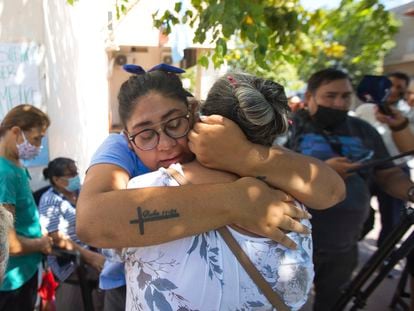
(325, 76)
(26, 117)
(167, 84)
(258, 106)
(57, 168)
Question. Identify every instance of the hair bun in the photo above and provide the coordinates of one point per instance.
(258, 106)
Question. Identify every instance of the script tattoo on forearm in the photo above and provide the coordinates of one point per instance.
(146, 215)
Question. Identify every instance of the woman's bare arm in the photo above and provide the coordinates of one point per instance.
(404, 137)
(94, 259)
(108, 215)
(20, 245)
(219, 143)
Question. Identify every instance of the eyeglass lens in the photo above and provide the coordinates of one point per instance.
(174, 128)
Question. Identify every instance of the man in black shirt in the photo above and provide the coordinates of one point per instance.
(326, 132)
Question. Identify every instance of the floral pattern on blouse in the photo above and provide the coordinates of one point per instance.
(201, 273)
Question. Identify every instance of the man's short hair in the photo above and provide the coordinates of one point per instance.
(325, 76)
(399, 75)
(6, 223)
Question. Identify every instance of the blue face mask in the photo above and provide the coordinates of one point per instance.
(73, 184)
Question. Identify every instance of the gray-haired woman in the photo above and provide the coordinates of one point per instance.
(166, 273)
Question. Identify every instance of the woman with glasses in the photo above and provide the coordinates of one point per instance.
(21, 133)
(57, 209)
(200, 272)
(148, 101)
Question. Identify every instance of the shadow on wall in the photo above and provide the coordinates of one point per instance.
(76, 66)
(61, 67)
(73, 74)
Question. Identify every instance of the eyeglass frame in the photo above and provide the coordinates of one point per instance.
(131, 138)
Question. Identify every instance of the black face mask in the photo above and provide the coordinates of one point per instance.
(329, 118)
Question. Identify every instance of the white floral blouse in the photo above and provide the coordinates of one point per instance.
(201, 273)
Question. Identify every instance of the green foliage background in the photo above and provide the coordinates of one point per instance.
(279, 39)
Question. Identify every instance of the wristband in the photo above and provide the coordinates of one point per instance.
(400, 127)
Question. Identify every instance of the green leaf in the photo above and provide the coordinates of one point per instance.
(221, 46)
(251, 33)
(189, 13)
(203, 61)
(177, 7)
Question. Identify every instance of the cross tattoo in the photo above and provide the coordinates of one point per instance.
(146, 215)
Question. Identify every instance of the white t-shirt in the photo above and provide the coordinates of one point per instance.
(201, 273)
(366, 112)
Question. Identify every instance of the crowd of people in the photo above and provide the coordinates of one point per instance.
(147, 220)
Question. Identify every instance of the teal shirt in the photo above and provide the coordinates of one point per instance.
(15, 190)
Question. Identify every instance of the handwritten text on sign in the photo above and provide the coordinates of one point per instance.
(19, 75)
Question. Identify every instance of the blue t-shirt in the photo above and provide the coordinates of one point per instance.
(15, 190)
(114, 150)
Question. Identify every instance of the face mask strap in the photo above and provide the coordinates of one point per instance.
(24, 136)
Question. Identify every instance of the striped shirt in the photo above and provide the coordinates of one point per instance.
(58, 214)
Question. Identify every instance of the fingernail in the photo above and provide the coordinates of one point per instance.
(203, 118)
(309, 216)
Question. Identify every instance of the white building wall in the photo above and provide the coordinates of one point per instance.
(77, 86)
(21, 20)
(74, 72)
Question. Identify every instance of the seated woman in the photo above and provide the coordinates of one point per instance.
(200, 272)
(57, 209)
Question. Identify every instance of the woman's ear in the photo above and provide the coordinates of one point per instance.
(16, 131)
(55, 180)
(194, 108)
(124, 132)
(307, 97)
(193, 105)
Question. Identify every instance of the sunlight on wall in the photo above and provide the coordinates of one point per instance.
(77, 83)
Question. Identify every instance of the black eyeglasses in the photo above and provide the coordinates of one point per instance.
(149, 138)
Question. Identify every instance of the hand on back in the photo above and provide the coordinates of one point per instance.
(269, 212)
